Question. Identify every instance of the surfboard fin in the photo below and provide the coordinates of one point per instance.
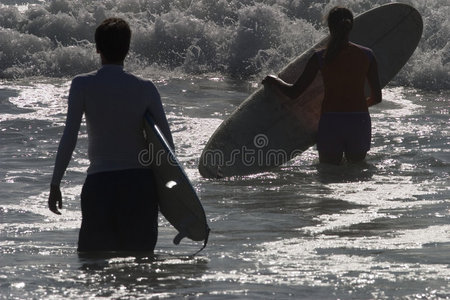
(177, 239)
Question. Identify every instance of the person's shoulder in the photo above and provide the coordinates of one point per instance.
(87, 75)
(147, 84)
(362, 48)
(367, 51)
(82, 78)
(137, 78)
(320, 51)
(81, 82)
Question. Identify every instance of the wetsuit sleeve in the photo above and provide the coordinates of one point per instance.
(159, 116)
(70, 134)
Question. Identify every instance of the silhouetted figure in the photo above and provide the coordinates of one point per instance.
(118, 201)
(345, 124)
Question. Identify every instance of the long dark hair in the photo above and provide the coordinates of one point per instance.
(340, 23)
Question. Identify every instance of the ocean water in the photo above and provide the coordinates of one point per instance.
(378, 230)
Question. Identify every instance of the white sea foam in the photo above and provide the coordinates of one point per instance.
(238, 38)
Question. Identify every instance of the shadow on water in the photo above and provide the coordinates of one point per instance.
(346, 172)
(139, 273)
(6, 106)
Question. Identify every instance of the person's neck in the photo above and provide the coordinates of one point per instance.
(112, 63)
(107, 62)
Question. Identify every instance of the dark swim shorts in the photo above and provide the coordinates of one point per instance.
(119, 212)
(344, 132)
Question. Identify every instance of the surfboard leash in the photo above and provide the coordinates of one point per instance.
(204, 244)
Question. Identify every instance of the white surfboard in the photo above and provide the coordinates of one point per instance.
(178, 202)
(262, 133)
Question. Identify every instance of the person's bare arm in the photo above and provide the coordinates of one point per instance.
(374, 84)
(303, 82)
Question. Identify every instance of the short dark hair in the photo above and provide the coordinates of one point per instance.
(112, 39)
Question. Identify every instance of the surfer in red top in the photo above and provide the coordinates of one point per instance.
(345, 125)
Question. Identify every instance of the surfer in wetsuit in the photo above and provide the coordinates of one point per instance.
(345, 124)
(118, 200)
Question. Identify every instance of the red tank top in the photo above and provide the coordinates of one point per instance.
(344, 78)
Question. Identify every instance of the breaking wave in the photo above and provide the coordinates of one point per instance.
(238, 38)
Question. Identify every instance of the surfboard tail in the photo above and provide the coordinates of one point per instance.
(177, 199)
